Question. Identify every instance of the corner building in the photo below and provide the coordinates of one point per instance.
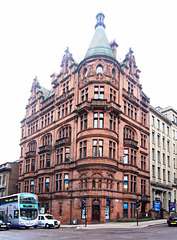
(88, 138)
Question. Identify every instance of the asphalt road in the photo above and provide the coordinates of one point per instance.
(161, 232)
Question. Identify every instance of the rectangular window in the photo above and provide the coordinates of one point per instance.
(26, 185)
(143, 162)
(125, 210)
(41, 185)
(133, 183)
(143, 186)
(153, 154)
(168, 176)
(83, 122)
(126, 156)
(152, 137)
(158, 172)
(83, 149)
(67, 154)
(164, 174)
(32, 165)
(28, 165)
(66, 181)
(158, 123)
(153, 171)
(163, 158)
(112, 122)
(152, 119)
(47, 184)
(94, 148)
(59, 182)
(71, 106)
(168, 161)
(168, 145)
(133, 157)
(100, 148)
(158, 156)
(98, 92)
(112, 149)
(32, 186)
(48, 156)
(125, 183)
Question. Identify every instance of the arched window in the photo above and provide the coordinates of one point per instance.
(93, 184)
(99, 69)
(113, 72)
(85, 72)
(47, 140)
(129, 133)
(99, 184)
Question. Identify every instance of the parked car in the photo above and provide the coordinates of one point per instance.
(172, 220)
(4, 222)
(47, 221)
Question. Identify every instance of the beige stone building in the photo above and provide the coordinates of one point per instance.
(163, 156)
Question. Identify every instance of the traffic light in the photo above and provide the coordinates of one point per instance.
(137, 203)
(83, 204)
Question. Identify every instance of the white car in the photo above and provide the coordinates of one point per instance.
(47, 221)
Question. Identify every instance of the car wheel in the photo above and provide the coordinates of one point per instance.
(35, 226)
(169, 224)
(7, 228)
(47, 226)
(58, 226)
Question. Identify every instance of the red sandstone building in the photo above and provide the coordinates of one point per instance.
(88, 138)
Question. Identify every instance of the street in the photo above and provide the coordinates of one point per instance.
(161, 232)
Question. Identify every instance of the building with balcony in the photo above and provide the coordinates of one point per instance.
(88, 137)
(163, 158)
(9, 178)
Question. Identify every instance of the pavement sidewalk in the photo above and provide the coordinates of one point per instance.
(118, 224)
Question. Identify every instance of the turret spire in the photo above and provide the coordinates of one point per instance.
(100, 20)
(99, 45)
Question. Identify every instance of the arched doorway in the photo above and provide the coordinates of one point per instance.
(96, 210)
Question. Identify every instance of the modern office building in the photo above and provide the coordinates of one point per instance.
(88, 137)
(163, 173)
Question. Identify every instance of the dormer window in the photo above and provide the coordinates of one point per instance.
(99, 69)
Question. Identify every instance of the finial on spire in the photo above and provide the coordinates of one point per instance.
(100, 20)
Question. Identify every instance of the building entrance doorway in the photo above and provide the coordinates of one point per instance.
(96, 210)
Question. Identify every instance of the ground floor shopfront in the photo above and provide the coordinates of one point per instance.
(162, 196)
(98, 210)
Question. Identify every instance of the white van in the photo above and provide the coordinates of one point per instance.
(47, 221)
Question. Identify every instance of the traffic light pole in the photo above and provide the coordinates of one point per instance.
(85, 216)
(137, 215)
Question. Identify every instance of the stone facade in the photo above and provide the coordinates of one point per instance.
(88, 138)
(9, 178)
(163, 149)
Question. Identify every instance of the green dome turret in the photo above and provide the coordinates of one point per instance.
(99, 45)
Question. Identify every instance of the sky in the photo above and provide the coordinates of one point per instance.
(35, 34)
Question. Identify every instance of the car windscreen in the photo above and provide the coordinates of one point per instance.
(50, 217)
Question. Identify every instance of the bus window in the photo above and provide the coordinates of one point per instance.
(28, 200)
(16, 214)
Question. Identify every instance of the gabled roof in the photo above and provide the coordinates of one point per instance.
(99, 45)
